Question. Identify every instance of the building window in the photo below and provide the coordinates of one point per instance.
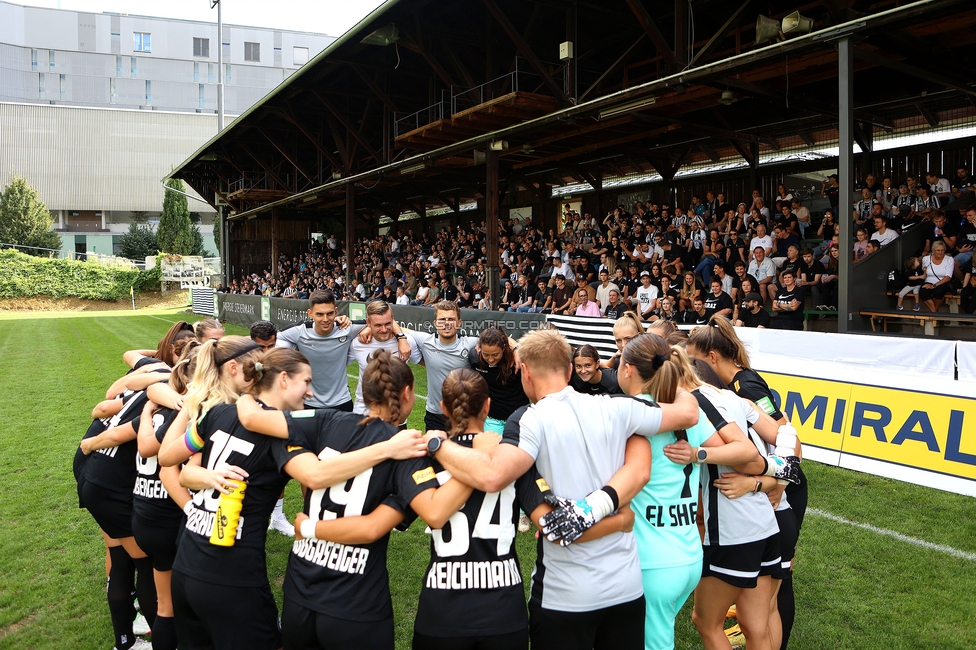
(135, 68)
(148, 93)
(63, 88)
(34, 59)
(300, 55)
(41, 86)
(252, 52)
(196, 72)
(210, 70)
(201, 47)
(142, 42)
(118, 66)
(227, 79)
(111, 90)
(203, 96)
(50, 58)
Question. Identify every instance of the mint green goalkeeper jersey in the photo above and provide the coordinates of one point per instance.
(664, 511)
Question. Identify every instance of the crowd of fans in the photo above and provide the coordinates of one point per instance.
(742, 260)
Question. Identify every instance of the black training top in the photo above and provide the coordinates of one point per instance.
(114, 468)
(606, 386)
(505, 398)
(349, 581)
(227, 441)
(748, 384)
(151, 501)
(473, 583)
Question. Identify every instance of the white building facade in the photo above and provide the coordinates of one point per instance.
(96, 108)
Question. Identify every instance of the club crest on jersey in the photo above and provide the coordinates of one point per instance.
(424, 475)
(464, 353)
(342, 339)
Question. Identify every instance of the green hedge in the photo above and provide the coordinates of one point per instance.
(24, 276)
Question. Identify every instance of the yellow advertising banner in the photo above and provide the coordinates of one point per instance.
(918, 429)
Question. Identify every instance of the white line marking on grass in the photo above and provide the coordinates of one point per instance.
(423, 397)
(914, 541)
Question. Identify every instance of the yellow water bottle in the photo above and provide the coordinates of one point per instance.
(228, 514)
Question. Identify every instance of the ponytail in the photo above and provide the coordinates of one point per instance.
(663, 369)
(179, 379)
(719, 336)
(464, 393)
(210, 387)
(384, 379)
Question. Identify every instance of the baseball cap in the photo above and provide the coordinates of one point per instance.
(753, 296)
(643, 273)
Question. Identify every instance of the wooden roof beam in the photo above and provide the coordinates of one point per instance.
(650, 28)
(349, 127)
(267, 170)
(285, 155)
(887, 61)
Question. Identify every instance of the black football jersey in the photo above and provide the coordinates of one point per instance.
(473, 584)
(227, 441)
(748, 384)
(344, 580)
(151, 500)
(114, 468)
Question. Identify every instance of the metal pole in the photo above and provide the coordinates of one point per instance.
(224, 245)
(350, 232)
(491, 222)
(220, 66)
(845, 173)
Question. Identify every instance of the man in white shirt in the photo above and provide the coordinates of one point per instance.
(603, 291)
(940, 186)
(763, 269)
(762, 240)
(882, 233)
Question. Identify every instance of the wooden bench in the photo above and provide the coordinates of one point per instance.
(929, 320)
(951, 300)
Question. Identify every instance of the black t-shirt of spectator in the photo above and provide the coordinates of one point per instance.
(948, 229)
(807, 272)
(717, 303)
(450, 292)
(759, 319)
(785, 296)
(613, 312)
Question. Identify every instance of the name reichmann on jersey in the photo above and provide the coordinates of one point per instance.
(474, 575)
(331, 555)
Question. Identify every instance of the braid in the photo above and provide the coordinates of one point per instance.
(464, 393)
(383, 381)
(460, 414)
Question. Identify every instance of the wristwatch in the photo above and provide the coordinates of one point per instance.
(702, 455)
(401, 335)
(433, 445)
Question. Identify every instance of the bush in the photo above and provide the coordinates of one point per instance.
(26, 277)
(138, 243)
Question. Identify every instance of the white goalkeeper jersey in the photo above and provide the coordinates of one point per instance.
(750, 517)
(578, 443)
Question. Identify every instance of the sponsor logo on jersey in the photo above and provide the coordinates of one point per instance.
(304, 413)
(766, 405)
(424, 475)
(543, 486)
(291, 448)
(474, 575)
(342, 339)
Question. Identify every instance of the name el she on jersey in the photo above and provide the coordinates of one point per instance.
(678, 514)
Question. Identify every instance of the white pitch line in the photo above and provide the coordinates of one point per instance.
(423, 397)
(915, 541)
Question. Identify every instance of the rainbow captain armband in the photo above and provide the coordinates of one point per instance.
(192, 438)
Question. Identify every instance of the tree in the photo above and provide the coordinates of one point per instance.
(198, 247)
(25, 220)
(174, 234)
(138, 243)
(216, 233)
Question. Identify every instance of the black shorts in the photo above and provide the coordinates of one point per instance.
(788, 535)
(158, 542)
(305, 629)
(514, 641)
(220, 617)
(436, 422)
(740, 565)
(619, 627)
(798, 495)
(112, 510)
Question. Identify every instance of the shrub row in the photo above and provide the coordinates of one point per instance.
(24, 276)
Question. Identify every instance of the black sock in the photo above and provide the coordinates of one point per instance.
(121, 581)
(164, 633)
(146, 587)
(787, 606)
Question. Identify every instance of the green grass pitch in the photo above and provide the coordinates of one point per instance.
(855, 588)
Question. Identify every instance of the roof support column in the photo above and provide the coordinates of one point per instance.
(274, 242)
(224, 252)
(845, 172)
(350, 231)
(491, 222)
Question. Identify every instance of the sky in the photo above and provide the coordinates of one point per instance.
(332, 17)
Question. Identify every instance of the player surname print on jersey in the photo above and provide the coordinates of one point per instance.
(331, 555)
(474, 575)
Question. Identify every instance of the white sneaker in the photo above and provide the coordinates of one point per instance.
(282, 526)
(525, 524)
(140, 626)
(142, 644)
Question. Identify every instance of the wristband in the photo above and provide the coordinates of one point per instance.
(759, 485)
(613, 496)
(188, 507)
(308, 529)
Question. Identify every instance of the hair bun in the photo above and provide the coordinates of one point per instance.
(658, 361)
(258, 366)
